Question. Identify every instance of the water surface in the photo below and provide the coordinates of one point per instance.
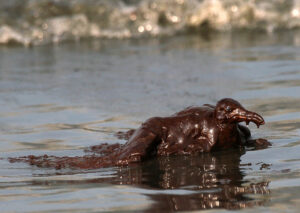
(60, 99)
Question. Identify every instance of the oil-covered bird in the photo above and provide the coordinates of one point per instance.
(192, 130)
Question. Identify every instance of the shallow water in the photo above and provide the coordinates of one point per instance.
(60, 99)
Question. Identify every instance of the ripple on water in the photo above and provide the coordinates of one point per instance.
(61, 100)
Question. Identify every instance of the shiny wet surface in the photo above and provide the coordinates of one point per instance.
(60, 100)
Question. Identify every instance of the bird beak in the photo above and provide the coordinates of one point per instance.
(241, 114)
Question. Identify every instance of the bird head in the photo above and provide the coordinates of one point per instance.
(231, 111)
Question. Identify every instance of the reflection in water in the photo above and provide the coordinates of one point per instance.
(215, 179)
(211, 180)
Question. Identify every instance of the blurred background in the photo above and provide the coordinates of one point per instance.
(75, 72)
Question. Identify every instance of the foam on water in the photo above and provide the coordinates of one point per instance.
(31, 22)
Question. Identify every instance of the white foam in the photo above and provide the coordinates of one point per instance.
(44, 21)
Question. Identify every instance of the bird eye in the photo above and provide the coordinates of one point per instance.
(228, 108)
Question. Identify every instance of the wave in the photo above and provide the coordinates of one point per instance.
(32, 22)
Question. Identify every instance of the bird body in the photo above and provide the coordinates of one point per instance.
(190, 131)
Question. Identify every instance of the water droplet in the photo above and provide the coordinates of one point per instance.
(174, 19)
(141, 29)
(148, 27)
(295, 12)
